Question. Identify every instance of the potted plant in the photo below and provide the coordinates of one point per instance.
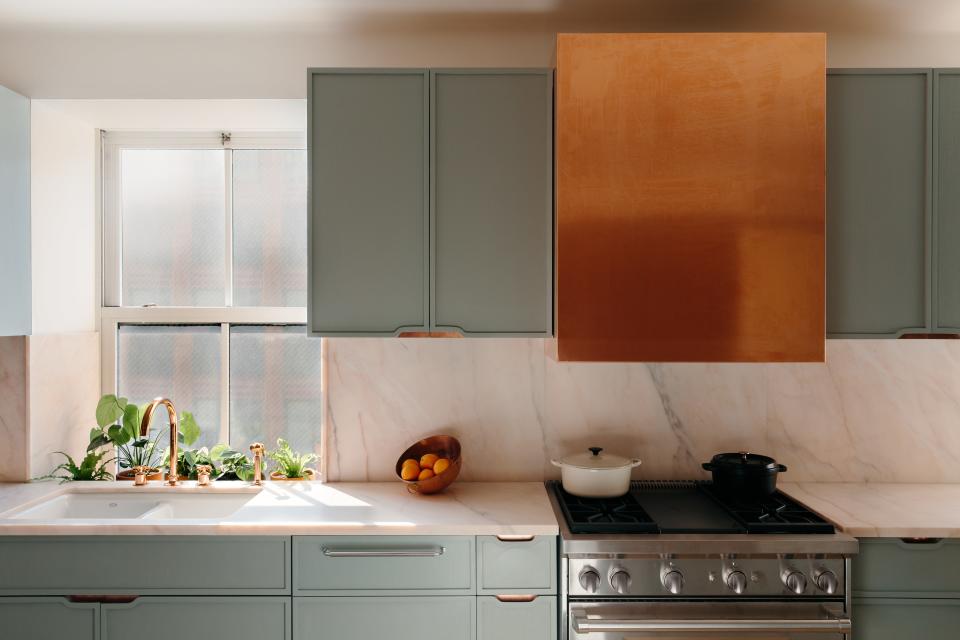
(118, 424)
(289, 464)
(92, 467)
(235, 465)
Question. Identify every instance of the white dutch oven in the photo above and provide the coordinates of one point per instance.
(594, 474)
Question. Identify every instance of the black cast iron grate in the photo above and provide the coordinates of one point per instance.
(604, 515)
(777, 513)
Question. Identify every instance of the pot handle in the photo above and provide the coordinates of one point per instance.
(781, 468)
(635, 462)
(555, 462)
(707, 466)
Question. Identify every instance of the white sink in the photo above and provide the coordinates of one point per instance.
(126, 506)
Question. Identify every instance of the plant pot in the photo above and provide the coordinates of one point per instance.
(596, 475)
(279, 477)
(744, 475)
(127, 475)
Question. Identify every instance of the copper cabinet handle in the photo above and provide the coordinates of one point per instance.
(515, 538)
(510, 597)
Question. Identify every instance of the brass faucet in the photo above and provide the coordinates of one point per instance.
(257, 449)
(172, 478)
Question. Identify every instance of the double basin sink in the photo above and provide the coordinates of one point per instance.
(134, 503)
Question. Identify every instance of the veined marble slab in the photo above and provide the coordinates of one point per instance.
(308, 508)
(875, 411)
(871, 510)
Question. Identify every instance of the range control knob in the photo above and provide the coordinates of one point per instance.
(590, 580)
(827, 582)
(737, 582)
(620, 581)
(795, 582)
(673, 581)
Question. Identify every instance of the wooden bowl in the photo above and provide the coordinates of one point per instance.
(444, 447)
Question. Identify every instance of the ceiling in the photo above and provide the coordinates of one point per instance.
(261, 48)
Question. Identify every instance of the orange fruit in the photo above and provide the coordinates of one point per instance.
(427, 460)
(409, 472)
(426, 474)
(441, 465)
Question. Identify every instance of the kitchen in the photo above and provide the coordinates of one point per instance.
(374, 225)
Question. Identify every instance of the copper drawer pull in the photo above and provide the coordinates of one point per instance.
(515, 538)
(516, 598)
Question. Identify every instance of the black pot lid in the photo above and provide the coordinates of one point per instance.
(744, 460)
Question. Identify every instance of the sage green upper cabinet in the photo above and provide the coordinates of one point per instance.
(947, 205)
(879, 129)
(369, 208)
(492, 203)
(16, 310)
(431, 204)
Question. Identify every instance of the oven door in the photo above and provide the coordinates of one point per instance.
(704, 620)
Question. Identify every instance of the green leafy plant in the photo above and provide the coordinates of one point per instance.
(92, 467)
(235, 465)
(290, 463)
(118, 424)
(189, 459)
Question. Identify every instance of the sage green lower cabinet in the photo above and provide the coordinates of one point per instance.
(162, 618)
(385, 617)
(39, 618)
(508, 566)
(533, 620)
(902, 619)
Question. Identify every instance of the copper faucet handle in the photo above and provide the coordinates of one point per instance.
(203, 474)
(140, 475)
(257, 448)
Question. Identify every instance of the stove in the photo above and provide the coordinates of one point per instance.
(682, 559)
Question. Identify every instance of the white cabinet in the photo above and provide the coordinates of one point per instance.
(15, 309)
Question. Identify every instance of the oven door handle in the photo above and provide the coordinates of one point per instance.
(582, 623)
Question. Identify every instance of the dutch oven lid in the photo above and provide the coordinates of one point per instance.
(594, 458)
(745, 461)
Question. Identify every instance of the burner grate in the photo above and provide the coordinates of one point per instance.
(774, 514)
(604, 515)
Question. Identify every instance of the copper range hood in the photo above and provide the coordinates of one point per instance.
(690, 197)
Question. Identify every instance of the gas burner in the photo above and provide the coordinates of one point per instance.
(604, 515)
(773, 514)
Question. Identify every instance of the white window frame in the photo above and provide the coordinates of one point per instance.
(112, 315)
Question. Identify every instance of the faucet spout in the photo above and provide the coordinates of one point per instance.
(172, 478)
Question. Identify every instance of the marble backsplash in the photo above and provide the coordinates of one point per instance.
(875, 411)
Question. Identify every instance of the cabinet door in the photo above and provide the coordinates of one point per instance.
(947, 207)
(377, 618)
(15, 312)
(368, 215)
(160, 618)
(878, 204)
(534, 620)
(896, 619)
(48, 619)
(492, 204)
(516, 566)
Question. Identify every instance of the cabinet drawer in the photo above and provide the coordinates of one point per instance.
(383, 564)
(517, 566)
(377, 618)
(46, 618)
(534, 620)
(160, 618)
(890, 567)
(161, 565)
(896, 619)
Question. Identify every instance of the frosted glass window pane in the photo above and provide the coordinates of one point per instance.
(173, 224)
(270, 228)
(275, 387)
(180, 363)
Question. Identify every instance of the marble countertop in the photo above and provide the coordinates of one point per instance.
(894, 510)
(490, 508)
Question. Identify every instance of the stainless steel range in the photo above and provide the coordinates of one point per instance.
(679, 560)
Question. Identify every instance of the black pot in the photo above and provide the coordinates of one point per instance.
(744, 475)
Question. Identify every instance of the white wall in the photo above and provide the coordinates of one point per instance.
(63, 237)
